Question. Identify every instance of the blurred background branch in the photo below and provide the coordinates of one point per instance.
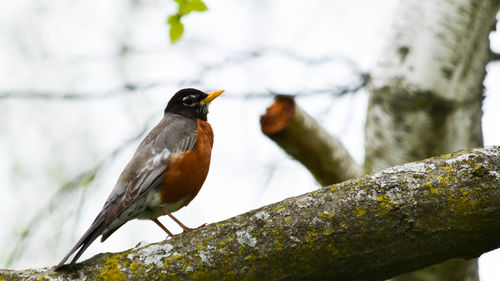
(302, 137)
(203, 72)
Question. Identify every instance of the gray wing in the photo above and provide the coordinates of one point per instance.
(146, 169)
(144, 172)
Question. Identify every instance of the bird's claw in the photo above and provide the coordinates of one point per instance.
(188, 229)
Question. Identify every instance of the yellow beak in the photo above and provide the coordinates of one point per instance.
(211, 96)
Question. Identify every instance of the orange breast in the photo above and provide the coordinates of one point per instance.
(187, 172)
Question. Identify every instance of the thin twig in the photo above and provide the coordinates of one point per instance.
(495, 56)
(239, 58)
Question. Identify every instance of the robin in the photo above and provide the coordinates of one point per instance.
(165, 173)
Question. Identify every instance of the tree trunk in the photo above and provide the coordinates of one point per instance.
(426, 90)
(370, 228)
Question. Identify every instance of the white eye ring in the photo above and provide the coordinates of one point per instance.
(189, 101)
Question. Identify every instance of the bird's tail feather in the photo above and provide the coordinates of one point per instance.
(108, 233)
(92, 233)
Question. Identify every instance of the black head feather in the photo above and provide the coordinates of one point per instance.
(186, 102)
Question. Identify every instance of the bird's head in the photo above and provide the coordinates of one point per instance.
(191, 103)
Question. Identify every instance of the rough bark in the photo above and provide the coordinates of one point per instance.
(370, 228)
(426, 91)
(304, 139)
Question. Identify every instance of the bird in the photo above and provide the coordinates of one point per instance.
(165, 173)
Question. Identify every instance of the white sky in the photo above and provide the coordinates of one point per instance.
(63, 46)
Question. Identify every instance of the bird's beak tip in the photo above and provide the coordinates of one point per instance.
(211, 96)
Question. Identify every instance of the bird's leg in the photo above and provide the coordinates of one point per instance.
(163, 227)
(184, 228)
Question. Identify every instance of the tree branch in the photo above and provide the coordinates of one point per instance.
(370, 228)
(495, 56)
(303, 138)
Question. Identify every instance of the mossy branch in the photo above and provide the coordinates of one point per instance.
(370, 228)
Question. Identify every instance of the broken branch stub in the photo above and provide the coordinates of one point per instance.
(308, 142)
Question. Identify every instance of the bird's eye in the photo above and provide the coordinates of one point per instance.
(189, 101)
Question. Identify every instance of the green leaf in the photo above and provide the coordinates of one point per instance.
(185, 7)
(173, 19)
(176, 27)
(195, 5)
(188, 6)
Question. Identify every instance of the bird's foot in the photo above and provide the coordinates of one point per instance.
(188, 229)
